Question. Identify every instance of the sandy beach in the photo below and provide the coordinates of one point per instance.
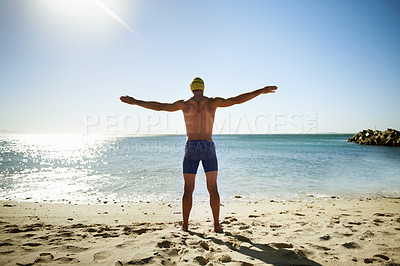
(320, 232)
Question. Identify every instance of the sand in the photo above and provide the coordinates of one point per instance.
(319, 232)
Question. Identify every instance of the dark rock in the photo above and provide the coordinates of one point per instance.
(390, 137)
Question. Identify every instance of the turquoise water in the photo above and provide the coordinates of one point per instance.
(81, 169)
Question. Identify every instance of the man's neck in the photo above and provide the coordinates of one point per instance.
(198, 94)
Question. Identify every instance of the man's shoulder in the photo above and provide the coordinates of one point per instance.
(217, 98)
(205, 98)
(194, 102)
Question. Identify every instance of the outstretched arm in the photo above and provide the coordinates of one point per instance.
(221, 102)
(170, 107)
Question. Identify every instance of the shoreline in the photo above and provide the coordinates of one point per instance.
(203, 199)
(315, 232)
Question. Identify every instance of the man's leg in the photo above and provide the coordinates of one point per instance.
(214, 198)
(187, 199)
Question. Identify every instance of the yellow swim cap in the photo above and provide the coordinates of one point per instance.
(197, 84)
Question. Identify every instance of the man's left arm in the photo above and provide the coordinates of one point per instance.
(244, 97)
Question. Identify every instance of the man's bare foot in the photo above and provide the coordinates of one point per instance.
(184, 228)
(218, 229)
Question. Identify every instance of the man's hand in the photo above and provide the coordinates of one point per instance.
(127, 99)
(268, 89)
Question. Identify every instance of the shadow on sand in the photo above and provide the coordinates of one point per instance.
(268, 253)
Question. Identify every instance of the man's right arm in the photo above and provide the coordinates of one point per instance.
(157, 106)
(244, 97)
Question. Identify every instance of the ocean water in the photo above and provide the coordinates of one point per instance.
(95, 169)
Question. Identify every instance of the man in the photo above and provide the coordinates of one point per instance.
(199, 113)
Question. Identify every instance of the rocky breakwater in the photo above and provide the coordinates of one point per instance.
(390, 137)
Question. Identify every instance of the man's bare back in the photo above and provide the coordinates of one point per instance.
(199, 112)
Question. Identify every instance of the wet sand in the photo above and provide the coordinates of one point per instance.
(320, 232)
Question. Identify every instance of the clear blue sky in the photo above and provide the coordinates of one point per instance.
(66, 60)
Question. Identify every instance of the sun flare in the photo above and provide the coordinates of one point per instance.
(96, 14)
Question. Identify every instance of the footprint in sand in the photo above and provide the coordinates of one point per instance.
(351, 245)
(6, 251)
(244, 227)
(382, 256)
(105, 235)
(43, 237)
(367, 234)
(192, 242)
(28, 235)
(356, 223)
(73, 249)
(44, 258)
(102, 255)
(64, 233)
(275, 226)
(125, 244)
(319, 247)
(325, 237)
(174, 252)
(164, 244)
(138, 261)
(225, 258)
(204, 245)
(383, 214)
(32, 244)
(15, 231)
(78, 225)
(201, 260)
(65, 260)
(246, 263)
(278, 245)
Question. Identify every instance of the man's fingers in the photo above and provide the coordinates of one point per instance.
(124, 98)
(271, 89)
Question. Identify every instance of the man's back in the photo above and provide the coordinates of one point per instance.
(199, 113)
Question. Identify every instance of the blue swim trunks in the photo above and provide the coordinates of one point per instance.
(196, 151)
